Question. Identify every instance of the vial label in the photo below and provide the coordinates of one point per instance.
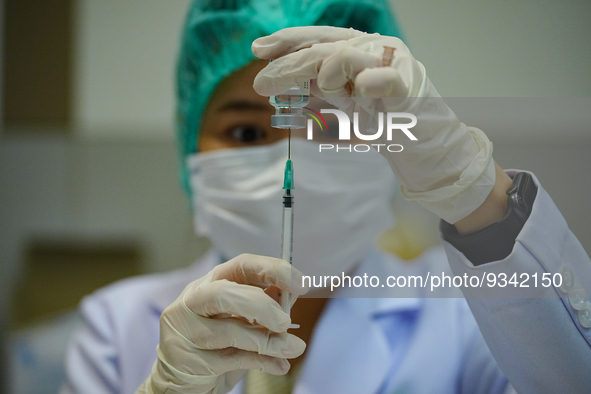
(305, 87)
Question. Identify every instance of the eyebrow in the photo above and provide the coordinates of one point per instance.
(243, 105)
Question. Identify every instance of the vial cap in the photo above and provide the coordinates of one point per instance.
(288, 121)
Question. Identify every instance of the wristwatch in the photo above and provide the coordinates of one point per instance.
(495, 242)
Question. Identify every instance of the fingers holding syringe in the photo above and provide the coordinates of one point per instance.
(215, 346)
(223, 333)
(232, 359)
(255, 269)
(226, 299)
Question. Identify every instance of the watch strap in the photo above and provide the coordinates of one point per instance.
(495, 242)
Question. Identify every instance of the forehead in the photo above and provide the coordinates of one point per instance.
(238, 85)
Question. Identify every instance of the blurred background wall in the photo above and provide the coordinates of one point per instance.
(88, 166)
(103, 175)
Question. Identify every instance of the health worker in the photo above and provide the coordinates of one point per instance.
(217, 326)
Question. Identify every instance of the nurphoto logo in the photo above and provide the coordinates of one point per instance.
(392, 124)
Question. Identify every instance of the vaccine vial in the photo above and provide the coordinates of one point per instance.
(289, 105)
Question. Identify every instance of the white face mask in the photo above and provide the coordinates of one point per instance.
(341, 202)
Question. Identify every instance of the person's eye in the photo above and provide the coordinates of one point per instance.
(247, 134)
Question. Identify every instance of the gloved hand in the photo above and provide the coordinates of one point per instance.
(449, 170)
(220, 326)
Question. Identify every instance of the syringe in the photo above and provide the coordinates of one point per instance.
(288, 115)
(287, 231)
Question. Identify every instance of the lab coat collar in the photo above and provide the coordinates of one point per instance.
(349, 351)
(367, 302)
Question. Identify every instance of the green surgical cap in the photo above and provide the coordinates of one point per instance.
(218, 34)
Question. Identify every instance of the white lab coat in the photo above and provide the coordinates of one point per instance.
(381, 345)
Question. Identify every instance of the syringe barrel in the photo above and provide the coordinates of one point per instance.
(287, 239)
(287, 243)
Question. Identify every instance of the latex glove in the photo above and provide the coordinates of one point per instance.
(220, 326)
(449, 170)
